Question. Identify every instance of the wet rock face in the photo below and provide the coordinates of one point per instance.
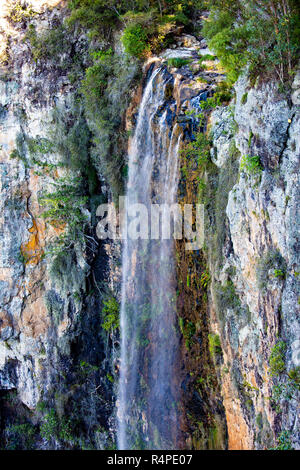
(260, 271)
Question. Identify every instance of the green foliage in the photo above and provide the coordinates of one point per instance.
(41, 406)
(229, 297)
(20, 437)
(50, 427)
(20, 151)
(251, 164)
(214, 345)
(283, 441)
(135, 40)
(96, 15)
(188, 330)
(279, 273)
(277, 359)
(64, 207)
(205, 279)
(294, 375)
(223, 94)
(97, 76)
(207, 57)
(49, 45)
(178, 62)
(65, 431)
(101, 18)
(218, 184)
(86, 369)
(287, 385)
(272, 262)
(111, 313)
(244, 98)
(70, 137)
(263, 34)
(148, 31)
(39, 145)
(110, 377)
(106, 93)
(54, 428)
(14, 154)
(65, 270)
(259, 420)
(199, 150)
(220, 33)
(18, 12)
(250, 138)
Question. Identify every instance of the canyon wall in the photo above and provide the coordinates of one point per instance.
(237, 299)
(56, 359)
(255, 288)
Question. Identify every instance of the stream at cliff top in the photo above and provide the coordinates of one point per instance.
(148, 401)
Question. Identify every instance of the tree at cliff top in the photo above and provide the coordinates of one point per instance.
(147, 27)
(102, 17)
(261, 33)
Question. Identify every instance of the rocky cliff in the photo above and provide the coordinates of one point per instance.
(52, 343)
(255, 288)
(237, 299)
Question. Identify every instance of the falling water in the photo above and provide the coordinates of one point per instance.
(148, 399)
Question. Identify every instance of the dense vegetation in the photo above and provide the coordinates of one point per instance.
(261, 33)
(146, 24)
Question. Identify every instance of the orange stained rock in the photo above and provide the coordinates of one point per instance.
(32, 250)
(238, 431)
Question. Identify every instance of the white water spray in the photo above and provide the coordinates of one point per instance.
(148, 392)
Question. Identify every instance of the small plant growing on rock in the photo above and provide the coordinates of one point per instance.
(188, 330)
(19, 13)
(111, 312)
(20, 437)
(283, 441)
(205, 279)
(277, 359)
(86, 369)
(49, 428)
(251, 164)
(244, 98)
(178, 62)
(214, 345)
(279, 273)
(272, 262)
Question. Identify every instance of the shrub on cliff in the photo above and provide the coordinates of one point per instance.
(147, 23)
(20, 437)
(106, 94)
(111, 314)
(263, 34)
(267, 266)
(135, 40)
(277, 358)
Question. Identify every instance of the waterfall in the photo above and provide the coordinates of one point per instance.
(148, 400)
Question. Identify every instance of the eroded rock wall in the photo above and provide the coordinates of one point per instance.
(53, 351)
(255, 286)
